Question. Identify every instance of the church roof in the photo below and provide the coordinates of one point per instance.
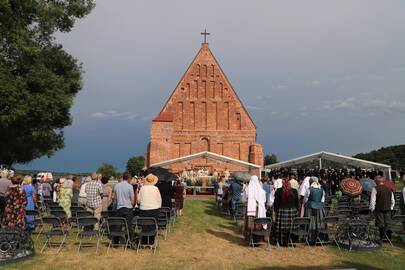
(206, 50)
(164, 117)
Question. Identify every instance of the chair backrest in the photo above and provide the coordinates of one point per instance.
(86, 221)
(58, 213)
(117, 224)
(81, 214)
(399, 218)
(52, 220)
(166, 210)
(74, 209)
(301, 221)
(32, 213)
(146, 221)
(262, 221)
(104, 214)
(55, 207)
(331, 220)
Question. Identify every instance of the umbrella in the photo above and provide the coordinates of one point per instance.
(351, 187)
(162, 173)
(367, 184)
(389, 184)
(241, 176)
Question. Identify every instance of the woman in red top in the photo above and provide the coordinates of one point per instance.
(179, 197)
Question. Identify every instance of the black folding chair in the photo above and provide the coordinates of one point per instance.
(56, 230)
(83, 223)
(163, 222)
(141, 224)
(396, 227)
(239, 212)
(263, 232)
(55, 208)
(169, 213)
(330, 230)
(37, 222)
(300, 230)
(117, 227)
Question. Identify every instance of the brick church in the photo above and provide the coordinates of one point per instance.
(204, 114)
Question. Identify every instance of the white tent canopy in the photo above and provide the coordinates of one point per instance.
(321, 157)
(209, 155)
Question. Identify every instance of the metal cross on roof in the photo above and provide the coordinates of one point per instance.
(205, 34)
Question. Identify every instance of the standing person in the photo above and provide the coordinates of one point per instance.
(107, 194)
(149, 200)
(293, 182)
(56, 191)
(46, 189)
(125, 199)
(166, 192)
(14, 211)
(402, 201)
(286, 207)
(94, 192)
(66, 195)
(75, 190)
(5, 183)
(256, 203)
(220, 191)
(236, 189)
(82, 193)
(179, 197)
(315, 204)
(382, 202)
(31, 198)
(302, 191)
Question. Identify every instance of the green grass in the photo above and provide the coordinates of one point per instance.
(205, 239)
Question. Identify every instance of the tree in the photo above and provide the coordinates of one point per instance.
(38, 79)
(108, 170)
(270, 159)
(135, 165)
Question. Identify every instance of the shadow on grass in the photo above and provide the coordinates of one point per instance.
(236, 239)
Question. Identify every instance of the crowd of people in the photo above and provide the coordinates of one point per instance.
(95, 193)
(284, 195)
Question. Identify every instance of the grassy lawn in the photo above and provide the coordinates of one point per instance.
(203, 239)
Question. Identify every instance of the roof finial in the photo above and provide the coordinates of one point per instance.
(205, 34)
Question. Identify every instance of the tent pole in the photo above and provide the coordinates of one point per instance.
(389, 173)
(320, 163)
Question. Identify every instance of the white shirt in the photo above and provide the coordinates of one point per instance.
(373, 200)
(149, 198)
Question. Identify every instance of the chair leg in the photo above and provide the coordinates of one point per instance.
(61, 244)
(40, 231)
(78, 248)
(98, 244)
(109, 245)
(45, 244)
(139, 245)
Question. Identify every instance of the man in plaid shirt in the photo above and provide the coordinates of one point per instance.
(94, 193)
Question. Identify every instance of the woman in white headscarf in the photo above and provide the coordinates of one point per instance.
(256, 200)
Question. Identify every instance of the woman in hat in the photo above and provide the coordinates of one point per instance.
(31, 198)
(149, 199)
(66, 195)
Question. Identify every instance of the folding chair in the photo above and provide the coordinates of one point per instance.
(343, 214)
(395, 228)
(141, 223)
(299, 229)
(117, 227)
(168, 212)
(83, 223)
(74, 210)
(55, 208)
(38, 223)
(163, 222)
(239, 212)
(261, 232)
(57, 229)
(330, 230)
